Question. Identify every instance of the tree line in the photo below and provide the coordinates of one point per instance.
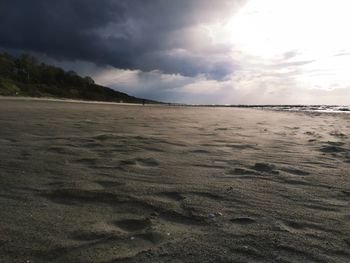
(25, 75)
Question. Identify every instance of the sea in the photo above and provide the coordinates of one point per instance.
(309, 108)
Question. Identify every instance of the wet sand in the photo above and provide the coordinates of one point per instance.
(118, 183)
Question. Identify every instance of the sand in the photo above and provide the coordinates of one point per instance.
(111, 183)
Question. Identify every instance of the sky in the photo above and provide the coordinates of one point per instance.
(192, 51)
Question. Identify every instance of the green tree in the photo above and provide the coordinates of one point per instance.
(7, 65)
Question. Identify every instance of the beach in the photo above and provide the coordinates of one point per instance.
(94, 182)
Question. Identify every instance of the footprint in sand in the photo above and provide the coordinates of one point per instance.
(108, 184)
(338, 134)
(141, 229)
(172, 196)
(243, 220)
(103, 137)
(242, 171)
(147, 162)
(295, 171)
(88, 236)
(153, 237)
(265, 168)
(333, 149)
(133, 225)
(347, 241)
(128, 162)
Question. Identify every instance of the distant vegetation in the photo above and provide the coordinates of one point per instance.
(26, 76)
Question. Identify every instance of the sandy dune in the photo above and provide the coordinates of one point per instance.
(113, 183)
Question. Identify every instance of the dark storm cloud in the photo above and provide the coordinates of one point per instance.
(127, 34)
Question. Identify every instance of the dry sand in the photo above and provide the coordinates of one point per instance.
(112, 183)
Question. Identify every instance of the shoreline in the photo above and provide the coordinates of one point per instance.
(274, 108)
